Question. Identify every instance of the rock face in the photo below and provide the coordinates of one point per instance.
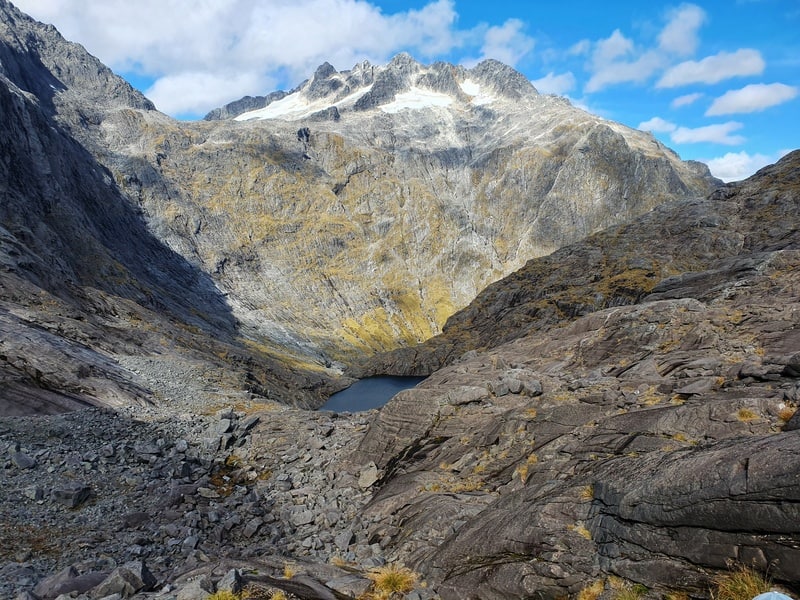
(84, 282)
(653, 445)
(702, 245)
(379, 199)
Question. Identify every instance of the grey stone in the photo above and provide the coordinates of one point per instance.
(107, 450)
(135, 519)
(344, 539)
(248, 423)
(231, 582)
(303, 517)
(252, 527)
(67, 581)
(71, 494)
(369, 475)
(34, 492)
(196, 589)
(22, 461)
(350, 585)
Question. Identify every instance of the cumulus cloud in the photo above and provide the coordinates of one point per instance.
(193, 92)
(555, 84)
(686, 100)
(507, 43)
(735, 166)
(680, 35)
(657, 125)
(616, 59)
(752, 98)
(191, 48)
(720, 133)
(714, 69)
(613, 47)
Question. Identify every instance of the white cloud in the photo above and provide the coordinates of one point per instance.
(611, 48)
(657, 125)
(616, 59)
(580, 48)
(555, 84)
(620, 71)
(194, 92)
(184, 43)
(507, 43)
(680, 35)
(752, 98)
(735, 166)
(686, 100)
(714, 69)
(720, 133)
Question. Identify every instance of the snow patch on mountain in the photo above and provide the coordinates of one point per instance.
(479, 96)
(415, 99)
(297, 106)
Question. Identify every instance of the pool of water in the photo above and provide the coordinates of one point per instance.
(372, 392)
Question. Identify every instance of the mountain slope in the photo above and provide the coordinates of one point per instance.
(617, 266)
(83, 280)
(383, 198)
(388, 200)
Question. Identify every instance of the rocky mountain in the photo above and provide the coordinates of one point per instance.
(611, 411)
(379, 199)
(85, 285)
(615, 418)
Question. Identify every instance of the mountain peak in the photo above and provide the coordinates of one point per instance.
(402, 84)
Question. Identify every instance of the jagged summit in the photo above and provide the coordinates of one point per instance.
(402, 84)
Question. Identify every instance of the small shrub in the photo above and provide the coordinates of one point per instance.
(587, 492)
(740, 583)
(391, 579)
(786, 413)
(289, 571)
(592, 592)
(631, 592)
(745, 415)
(224, 595)
(581, 530)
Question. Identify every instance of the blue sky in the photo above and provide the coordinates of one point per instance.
(717, 81)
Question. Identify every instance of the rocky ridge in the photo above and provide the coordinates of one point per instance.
(371, 197)
(85, 284)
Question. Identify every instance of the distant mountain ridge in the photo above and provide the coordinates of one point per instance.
(357, 213)
(433, 180)
(402, 83)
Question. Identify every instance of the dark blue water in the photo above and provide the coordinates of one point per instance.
(372, 392)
